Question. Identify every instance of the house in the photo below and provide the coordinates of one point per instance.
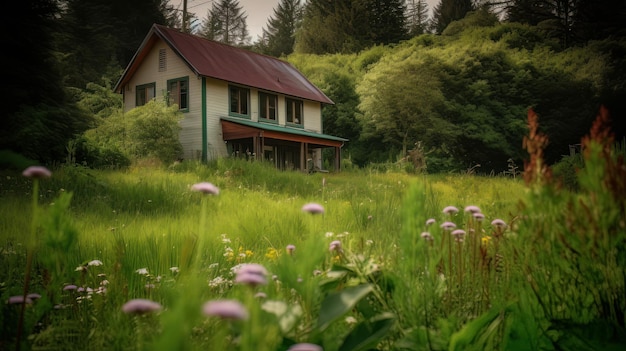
(235, 102)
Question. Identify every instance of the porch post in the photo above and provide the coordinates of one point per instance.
(255, 146)
(302, 157)
(337, 159)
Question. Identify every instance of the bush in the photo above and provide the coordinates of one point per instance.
(566, 169)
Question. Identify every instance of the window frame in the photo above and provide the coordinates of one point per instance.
(267, 109)
(143, 87)
(239, 110)
(178, 93)
(292, 105)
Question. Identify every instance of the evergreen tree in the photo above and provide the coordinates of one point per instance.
(386, 21)
(448, 11)
(417, 17)
(279, 37)
(599, 19)
(226, 23)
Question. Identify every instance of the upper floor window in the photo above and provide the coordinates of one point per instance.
(267, 106)
(239, 98)
(144, 93)
(294, 111)
(178, 92)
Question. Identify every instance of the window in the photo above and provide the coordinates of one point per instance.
(178, 92)
(294, 111)
(239, 101)
(144, 93)
(267, 106)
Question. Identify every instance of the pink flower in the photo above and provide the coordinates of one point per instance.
(450, 210)
(335, 245)
(290, 249)
(206, 188)
(426, 236)
(18, 300)
(430, 222)
(226, 309)
(305, 347)
(498, 223)
(33, 296)
(37, 172)
(478, 216)
(70, 287)
(313, 208)
(252, 274)
(141, 306)
(459, 233)
(448, 225)
(472, 209)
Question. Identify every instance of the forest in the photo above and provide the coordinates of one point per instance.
(453, 87)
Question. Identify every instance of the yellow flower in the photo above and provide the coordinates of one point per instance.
(272, 253)
(485, 240)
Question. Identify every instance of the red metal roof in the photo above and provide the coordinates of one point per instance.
(220, 61)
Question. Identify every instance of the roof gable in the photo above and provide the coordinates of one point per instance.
(220, 61)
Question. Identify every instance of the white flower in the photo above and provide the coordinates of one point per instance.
(329, 234)
(80, 269)
(142, 271)
(95, 263)
(351, 320)
(174, 269)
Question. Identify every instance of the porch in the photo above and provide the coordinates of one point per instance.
(287, 148)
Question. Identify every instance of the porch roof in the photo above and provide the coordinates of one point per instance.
(237, 128)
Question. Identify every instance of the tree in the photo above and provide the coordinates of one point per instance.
(448, 11)
(417, 17)
(280, 35)
(386, 21)
(226, 23)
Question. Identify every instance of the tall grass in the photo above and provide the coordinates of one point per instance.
(361, 276)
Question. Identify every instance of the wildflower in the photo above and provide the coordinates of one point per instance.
(142, 271)
(369, 242)
(70, 287)
(485, 240)
(206, 188)
(478, 216)
(426, 236)
(94, 263)
(252, 274)
(472, 209)
(498, 223)
(313, 208)
(260, 295)
(450, 210)
(317, 272)
(329, 234)
(351, 320)
(176, 270)
(18, 300)
(141, 306)
(305, 347)
(335, 245)
(80, 269)
(225, 309)
(33, 296)
(290, 249)
(458, 233)
(448, 225)
(272, 253)
(430, 222)
(37, 172)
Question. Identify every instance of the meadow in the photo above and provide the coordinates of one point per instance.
(235, 255)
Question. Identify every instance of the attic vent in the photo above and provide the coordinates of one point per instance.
(162, 60)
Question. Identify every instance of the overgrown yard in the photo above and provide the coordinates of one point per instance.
(159, 259)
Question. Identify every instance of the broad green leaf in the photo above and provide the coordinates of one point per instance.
(368, 333)
(337, 304)
(286, 315)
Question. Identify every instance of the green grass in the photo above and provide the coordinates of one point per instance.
(189, 242)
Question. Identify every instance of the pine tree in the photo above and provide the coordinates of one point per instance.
(226, 23)
(279, 37)
(387, 21)
(448, 11)
(417, 17)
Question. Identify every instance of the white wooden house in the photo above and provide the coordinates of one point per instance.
(235, 102)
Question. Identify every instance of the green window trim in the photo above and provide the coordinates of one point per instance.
(268, 107)
(239, 101)
(178, 93)
(144, 93)
(294, 112)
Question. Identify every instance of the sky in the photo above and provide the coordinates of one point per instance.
(258, 11)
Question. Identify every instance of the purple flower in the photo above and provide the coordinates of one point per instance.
(313, 208)
(33, 296)
(290, 249)
(335, 245)
(426, 236)
(225, 309)
(37, 172)
(472, 209)
(459, 233)
(478, 216)
(498, 223)
(448, 225)
(430, 222)
(18, 300)
(141, 306)
(206, 188)
(305, 347)
(450, 210)
(70, 287)
(252, 274)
